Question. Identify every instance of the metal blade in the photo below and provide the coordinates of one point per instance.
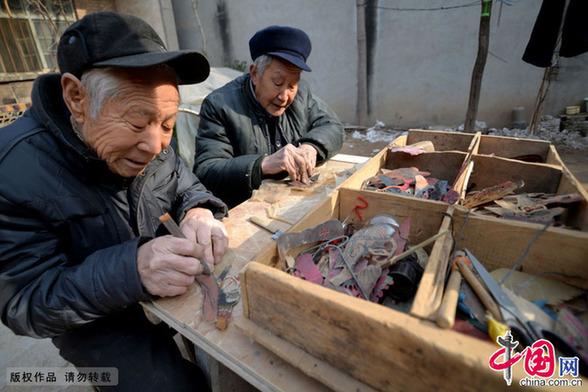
(499, 295)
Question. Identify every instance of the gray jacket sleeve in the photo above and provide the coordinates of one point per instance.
(226, 152)
(326, 133)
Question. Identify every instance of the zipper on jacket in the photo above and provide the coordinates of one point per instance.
(265, 130)
(145, 179)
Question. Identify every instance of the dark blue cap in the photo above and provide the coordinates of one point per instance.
(288, 43)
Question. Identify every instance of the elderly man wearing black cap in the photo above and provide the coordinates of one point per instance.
(266, 123)
(86, 172)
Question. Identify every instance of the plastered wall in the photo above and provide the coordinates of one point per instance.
(420, 62)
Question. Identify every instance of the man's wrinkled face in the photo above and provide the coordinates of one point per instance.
(135, 126)
(276, 88)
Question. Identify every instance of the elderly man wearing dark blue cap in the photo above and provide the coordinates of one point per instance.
(265, 123)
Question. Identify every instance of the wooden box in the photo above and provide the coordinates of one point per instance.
(443, 165)
(350, 344)
(540, 151)
(383, 348)
(487, 169)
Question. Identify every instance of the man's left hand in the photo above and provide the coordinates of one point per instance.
(309, 154)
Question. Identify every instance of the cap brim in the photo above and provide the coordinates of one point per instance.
(297, 61)
(191, 66)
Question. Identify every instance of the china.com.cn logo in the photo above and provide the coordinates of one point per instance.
(539, 360)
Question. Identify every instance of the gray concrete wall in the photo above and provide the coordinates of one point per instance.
(158, 13)
(421, 62)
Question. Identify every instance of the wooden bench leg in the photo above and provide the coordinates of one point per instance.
(189, 346)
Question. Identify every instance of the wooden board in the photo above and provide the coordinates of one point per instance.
(386, 349)
(491, 171)
(328, 375)
(443, 141)
(499, 243)
(234, 349)
(500, 146)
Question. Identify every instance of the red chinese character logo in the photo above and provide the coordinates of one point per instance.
(539, 358)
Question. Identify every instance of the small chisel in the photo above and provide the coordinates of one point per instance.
(275, 231)
(174, 230)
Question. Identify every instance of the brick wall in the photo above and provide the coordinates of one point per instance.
(15, 92)
(19, 91)
(84, 7)
(9, 113)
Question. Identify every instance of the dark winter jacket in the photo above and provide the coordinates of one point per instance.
(69, 227)
(233, 137)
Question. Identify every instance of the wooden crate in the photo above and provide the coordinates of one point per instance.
(487, 169)
(500, 146)
(443, 165)
(386, 349)
(499, 243)
(381, 347)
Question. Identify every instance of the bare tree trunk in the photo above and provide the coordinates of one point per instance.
(549, 75)
(476, 85)
(361, 65)
(204, 42)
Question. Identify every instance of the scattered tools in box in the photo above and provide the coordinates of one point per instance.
(499, 200)
(318, 320)
(368, 262)
(372, 261)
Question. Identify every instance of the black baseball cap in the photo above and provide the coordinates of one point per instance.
(110, 39)
(288, 43)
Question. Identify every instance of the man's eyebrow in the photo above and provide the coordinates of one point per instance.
(150, 113)
(170, 116)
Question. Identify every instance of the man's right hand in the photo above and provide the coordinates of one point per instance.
(167, 265)
(291, 159)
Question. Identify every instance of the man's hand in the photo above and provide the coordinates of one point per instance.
(167, 265)
(298, 162)
(200, 226)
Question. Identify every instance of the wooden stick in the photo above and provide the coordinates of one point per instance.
(414, 249)
(446, 313)
(479, 289)
(429, 295)
(174, 230)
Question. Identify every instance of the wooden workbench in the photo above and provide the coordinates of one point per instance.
(231, 347)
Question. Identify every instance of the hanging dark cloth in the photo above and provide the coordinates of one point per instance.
(574, 39)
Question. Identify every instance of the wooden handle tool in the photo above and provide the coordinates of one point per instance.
(263, 225)
(276, 232)
(446, 313)
(478, 288)
(174, 230)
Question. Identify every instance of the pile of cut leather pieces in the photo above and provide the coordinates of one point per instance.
(411, 181)
(500, 201)
(361, 262)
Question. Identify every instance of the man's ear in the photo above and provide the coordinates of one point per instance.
(74, 95)
(253, 73)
